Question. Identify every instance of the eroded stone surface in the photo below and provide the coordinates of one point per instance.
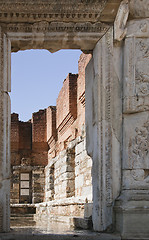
(139, 9)
(136, 77)
(102, 133)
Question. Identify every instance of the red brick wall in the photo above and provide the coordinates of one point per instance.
(28, 140)
(66, 111)
(14, 132)
(39, 128)
(25, 135)
(83, 61)
(55, 125)
(15, 158)
(51, 122)
(67, 99)
(39, 138)
(70, 115)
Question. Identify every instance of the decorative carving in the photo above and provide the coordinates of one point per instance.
(136, 103)
(107, 126)
(141, 28)
(139, 145)
(121, 20)
(46, 35)
(142, 83)
(136, 87)
(138, 175)
(141, 67)
(46, 27)
(139, 9)
(86, 10)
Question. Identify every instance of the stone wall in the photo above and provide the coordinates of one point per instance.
(69, 170)
(29, 154)
(68, 184)
(37, 184)
(83, 169)
(55, 136)
(66, 110)
(69, 173)
(51, 148)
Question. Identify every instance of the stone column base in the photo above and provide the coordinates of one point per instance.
(132, 215)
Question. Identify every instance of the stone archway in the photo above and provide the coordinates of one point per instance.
(56, 25)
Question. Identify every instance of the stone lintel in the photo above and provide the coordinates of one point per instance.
(55, 36)
(63, 10)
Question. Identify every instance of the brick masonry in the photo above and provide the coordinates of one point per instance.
(52, 148)
(29, 154)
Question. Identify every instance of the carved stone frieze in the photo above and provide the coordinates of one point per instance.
(136, 75)
(136, 141)
(141, 67)
(136, 179)
(46, 27)
(139, 8)
(55, 35)
(66, 11)
(80, 10)
(140, 143)
(56, 25)
(141, 28)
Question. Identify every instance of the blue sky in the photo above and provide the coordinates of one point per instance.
(37, 77)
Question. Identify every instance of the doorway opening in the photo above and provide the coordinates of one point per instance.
(50, 169)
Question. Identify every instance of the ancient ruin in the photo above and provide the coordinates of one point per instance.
(116, 32)
(49, 162)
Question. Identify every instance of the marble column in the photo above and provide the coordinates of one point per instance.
(5, 73)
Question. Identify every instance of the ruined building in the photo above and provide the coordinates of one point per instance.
(116, 32)
(49, 162)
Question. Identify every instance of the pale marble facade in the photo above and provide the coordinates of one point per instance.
(117, 97)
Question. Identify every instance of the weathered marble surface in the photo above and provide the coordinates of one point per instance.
(5, 50)
(103, 127)
(57, 11)
(139, 9)
(56, 25)
(132, 208)
(69, 174)
(136, 76)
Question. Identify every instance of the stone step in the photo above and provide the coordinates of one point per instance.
(22, 215)
(83, 223)
(26, 218)
(74, 236)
